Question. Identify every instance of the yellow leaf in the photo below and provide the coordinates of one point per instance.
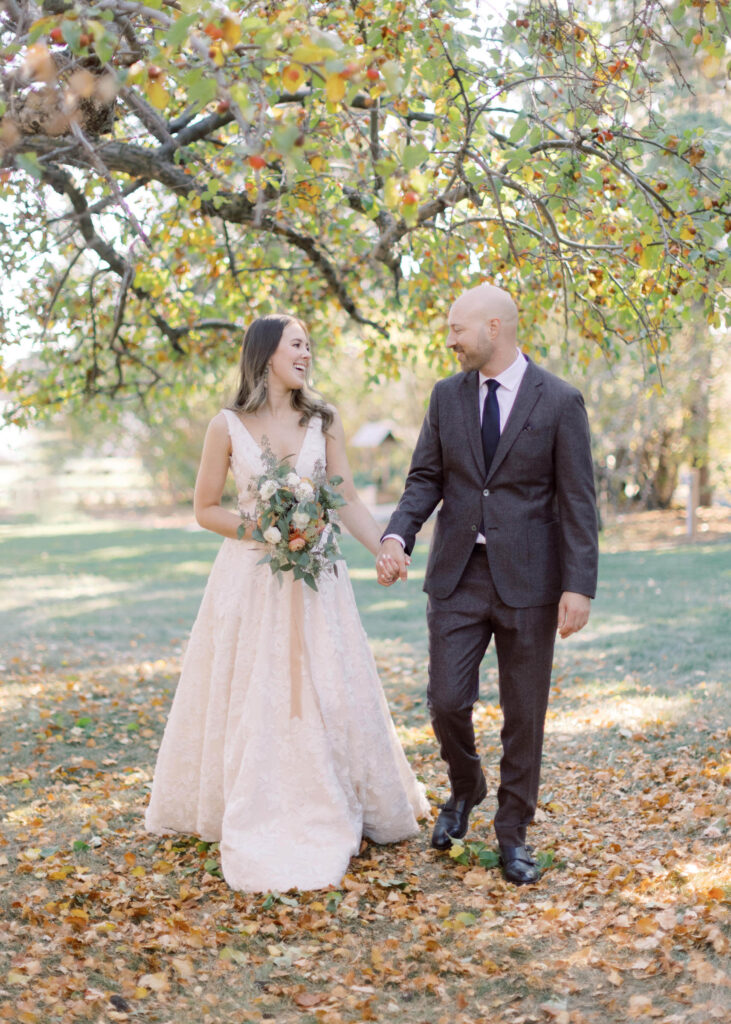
(140, 992)
(334, 88)
(138, 872)
(162, 867)
(231, 31)
(710, 65)
(311, 53)
(157, 95)
(60, 873)
(16, 978)
(292, 77)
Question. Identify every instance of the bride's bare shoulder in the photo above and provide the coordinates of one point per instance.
(218, 428)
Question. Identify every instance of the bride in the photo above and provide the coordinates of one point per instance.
(279, 742)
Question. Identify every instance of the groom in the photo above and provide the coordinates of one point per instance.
(505, 448)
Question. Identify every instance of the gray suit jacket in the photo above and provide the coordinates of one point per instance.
(537, 501)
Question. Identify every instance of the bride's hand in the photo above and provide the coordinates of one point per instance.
(391, 564)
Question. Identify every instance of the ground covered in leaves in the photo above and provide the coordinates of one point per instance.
(630, 920)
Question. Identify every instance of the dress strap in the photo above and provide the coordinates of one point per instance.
(242, 443)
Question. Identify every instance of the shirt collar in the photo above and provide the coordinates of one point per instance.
(512, 376)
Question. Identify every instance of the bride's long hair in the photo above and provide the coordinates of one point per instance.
(259, 345)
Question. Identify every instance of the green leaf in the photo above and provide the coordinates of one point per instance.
(284, 136)
(79, 845)
(415, 155)
(202, 91)
(333, 901)
(30, 163)
(488, 858)
(393, 76)
(518, 131)
(178, 32)
(72, 33)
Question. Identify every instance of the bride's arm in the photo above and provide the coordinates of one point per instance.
(354, 515)
(211, 479)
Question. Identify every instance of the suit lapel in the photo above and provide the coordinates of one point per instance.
(471, 417)
(529, 391)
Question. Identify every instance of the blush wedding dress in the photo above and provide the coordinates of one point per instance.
(279, 742)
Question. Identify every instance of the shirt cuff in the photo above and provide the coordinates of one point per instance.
(394, 536)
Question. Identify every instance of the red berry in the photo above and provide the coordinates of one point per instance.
(373, 74)
(410, 198)
(56, 35)
(257, 162)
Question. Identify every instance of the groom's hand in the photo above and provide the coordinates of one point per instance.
(391, 562)
(573, 613)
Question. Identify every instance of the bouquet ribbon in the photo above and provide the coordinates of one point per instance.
(296, 649)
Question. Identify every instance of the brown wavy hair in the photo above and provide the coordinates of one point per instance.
(260, 342)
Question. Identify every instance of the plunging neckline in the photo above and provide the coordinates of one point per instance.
(260, 450)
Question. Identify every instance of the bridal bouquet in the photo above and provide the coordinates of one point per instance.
(293, 518)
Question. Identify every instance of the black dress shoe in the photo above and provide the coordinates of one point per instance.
(518, 865)
(455, 816)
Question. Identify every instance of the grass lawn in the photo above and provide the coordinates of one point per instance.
(103, 922)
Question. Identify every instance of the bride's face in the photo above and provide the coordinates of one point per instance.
(291, 360)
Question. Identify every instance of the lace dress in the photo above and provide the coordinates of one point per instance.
(279, 741)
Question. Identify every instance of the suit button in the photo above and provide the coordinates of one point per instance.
(486, 493)
(473, 528)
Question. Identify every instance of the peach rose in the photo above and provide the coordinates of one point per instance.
(297, 543)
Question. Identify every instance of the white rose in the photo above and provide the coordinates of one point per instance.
(300, 520)
(272, 535)
(304, 492)
(267, 489)
(292, 480)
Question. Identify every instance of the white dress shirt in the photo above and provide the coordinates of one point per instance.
(509, 381)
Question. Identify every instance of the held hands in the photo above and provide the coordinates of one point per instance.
(392, 562)
(573, 613)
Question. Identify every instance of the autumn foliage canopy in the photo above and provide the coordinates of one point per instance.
(169, 169)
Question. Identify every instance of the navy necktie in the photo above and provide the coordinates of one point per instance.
(490, 428)
(490, 423)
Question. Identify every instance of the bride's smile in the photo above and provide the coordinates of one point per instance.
(291, 361)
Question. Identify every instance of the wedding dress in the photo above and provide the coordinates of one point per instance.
(279, 742)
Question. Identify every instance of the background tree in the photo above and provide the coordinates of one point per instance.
(173, 167)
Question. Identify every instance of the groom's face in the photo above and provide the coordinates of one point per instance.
(469, 337)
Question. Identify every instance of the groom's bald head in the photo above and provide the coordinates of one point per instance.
(483, 329)
(487, 302)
